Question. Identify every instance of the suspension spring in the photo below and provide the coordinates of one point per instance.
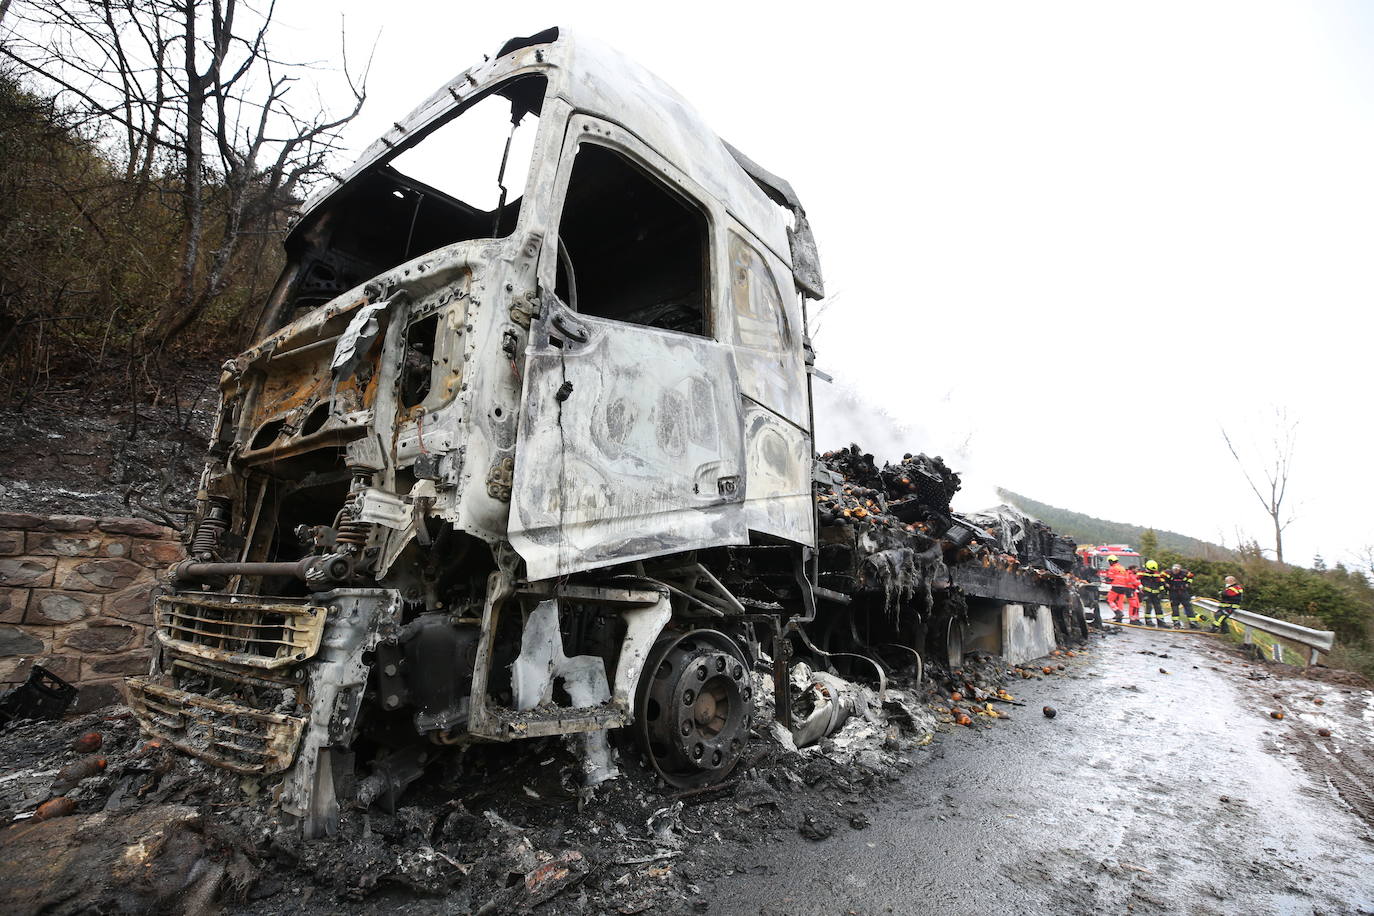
(205, 544)
(350, 531)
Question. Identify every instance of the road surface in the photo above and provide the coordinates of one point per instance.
(1148, 793)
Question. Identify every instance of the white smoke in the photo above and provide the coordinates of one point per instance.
(845, 416)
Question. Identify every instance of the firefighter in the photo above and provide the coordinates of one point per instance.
(1152, 583)
(1119, 580)
(1181, 597)
(1229, 600)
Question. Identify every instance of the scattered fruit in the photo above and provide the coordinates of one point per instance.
(956, 696)
(88, 742)
(73, 773)
(1324, 732)
(1050, 712)
(1276, 714)
(54, 807)
(1318, 700)
(963, 720)
(1070, 653)
(1046, 669)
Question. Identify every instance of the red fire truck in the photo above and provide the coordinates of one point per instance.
(1096, 557)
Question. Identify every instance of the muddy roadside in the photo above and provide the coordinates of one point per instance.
(493, 829)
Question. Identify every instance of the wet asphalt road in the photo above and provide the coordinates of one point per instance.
(1148, 793)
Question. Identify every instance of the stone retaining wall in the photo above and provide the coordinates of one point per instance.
(74, 597)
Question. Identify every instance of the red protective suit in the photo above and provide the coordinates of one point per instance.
(1118, 578)
(1133, 584)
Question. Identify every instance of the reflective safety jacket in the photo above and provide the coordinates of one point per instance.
(1117, 576)
(1152, 583)
(1231, 597)
(1180, 583)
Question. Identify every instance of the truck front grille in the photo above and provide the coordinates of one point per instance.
(224, 733)
(240, 630)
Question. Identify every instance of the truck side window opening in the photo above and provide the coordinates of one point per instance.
(637, 249)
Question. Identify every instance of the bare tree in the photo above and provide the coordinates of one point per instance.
(1276, 470)
(194, 90)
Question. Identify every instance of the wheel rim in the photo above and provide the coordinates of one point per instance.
(693, 708)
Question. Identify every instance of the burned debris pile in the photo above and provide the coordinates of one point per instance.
(497, 828)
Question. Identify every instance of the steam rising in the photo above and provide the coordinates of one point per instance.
(843, 417)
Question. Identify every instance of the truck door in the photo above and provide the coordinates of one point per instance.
(631, 437)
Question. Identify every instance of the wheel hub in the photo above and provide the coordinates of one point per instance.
(696, 701)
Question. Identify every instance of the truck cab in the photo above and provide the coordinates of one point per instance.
(511, 404)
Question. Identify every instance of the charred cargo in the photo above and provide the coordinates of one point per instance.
(533, 456)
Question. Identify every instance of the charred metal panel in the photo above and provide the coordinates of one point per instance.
(630, 446)
(611, 84)
(806, 263)
(777, 492)
(766, 326)
(993, 582)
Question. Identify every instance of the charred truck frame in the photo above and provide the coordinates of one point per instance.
(538, 467)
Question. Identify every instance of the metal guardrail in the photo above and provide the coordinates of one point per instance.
(1315, 640)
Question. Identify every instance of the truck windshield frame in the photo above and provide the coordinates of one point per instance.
(384, 217)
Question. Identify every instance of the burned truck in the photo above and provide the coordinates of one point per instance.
(524, 449)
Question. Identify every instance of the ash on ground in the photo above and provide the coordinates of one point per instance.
(489, 829)
(74, 451)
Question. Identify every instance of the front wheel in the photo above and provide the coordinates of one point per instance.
(693, 707)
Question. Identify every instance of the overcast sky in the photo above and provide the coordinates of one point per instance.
(1064, 242)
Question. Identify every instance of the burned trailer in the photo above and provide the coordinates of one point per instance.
(903, 578)
(524, 449)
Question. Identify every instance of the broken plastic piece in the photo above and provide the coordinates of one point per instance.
(43, 696)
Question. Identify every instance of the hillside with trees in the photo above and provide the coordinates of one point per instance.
(150, 157)
(1089, 530)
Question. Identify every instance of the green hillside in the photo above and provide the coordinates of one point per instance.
(1088, 530)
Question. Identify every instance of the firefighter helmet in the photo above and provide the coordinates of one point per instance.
(1111, 558)
(1151, 564)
